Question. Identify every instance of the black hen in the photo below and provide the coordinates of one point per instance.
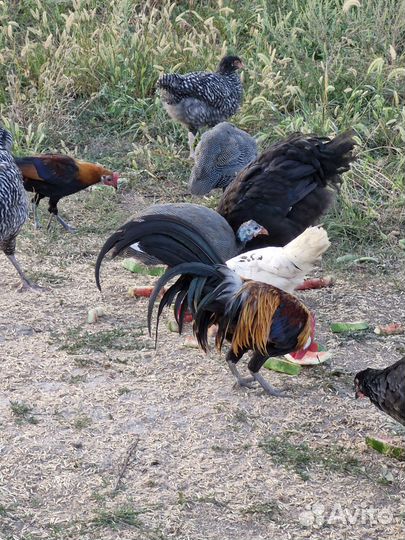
(287, 188)
(202, 99)
(252, 316)
(385, 388)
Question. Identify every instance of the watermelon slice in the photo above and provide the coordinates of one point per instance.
(144, 292)
(310, 358)
(282, 366)
(340, 327)
(133, 266)
(386, 447)
(390, 329)
(315, 283)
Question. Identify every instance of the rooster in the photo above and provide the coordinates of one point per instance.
(385, 388)
(173, 240)
(252, 316)
(288, 187)
(201, 99)
(13, 205)
(56, 176)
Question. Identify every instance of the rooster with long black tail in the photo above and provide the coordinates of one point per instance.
(252, 316)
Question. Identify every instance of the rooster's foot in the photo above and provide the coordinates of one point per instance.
(29, 286)
(245, 382)
(267, 387)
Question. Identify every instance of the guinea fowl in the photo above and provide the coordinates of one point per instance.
(201, 98)
(203, 236)
(222, 152)
(252, 316)
(385, 388)
(174, 233)
(57, 176)
(288, 187)
(13, 205)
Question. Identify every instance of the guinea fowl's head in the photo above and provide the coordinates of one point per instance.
(229, 64)
(360, 383)
(6, 140)
(249, 230)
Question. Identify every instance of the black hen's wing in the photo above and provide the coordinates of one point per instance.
(285, 189)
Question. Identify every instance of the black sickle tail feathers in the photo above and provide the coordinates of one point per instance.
(207, 291)
(190, 287)
(168, 238)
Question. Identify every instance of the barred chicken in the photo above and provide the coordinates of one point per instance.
(13, 205)
(222, 152)
(385, 388)
(201, 99)
(288, 187)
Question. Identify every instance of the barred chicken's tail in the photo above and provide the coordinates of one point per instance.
(168, 238)
(169, 81)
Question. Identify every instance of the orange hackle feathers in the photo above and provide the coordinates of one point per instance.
(253, 328)
(256, 316)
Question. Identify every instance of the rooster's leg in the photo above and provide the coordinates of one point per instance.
(26, 284)
(37, 223)
(267, 387)
(255, 363)
(231, 359)
(66, 225)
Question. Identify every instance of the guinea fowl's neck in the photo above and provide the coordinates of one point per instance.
(258, 242)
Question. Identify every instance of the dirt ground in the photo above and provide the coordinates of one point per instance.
(102, 437)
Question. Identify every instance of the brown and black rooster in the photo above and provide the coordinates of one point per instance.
(57, 176)
(288, 187)
(252, 316)
(385, 388)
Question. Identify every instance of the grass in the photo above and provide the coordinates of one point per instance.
(311, 66)
(118, 517)
(22, 412)
(301, 457)
(79, 341)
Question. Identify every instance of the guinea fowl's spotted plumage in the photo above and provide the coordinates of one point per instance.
(200, 98)
(385, 388)
(221, 154)
(287, 188)
(213, 226)
(13, 201)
